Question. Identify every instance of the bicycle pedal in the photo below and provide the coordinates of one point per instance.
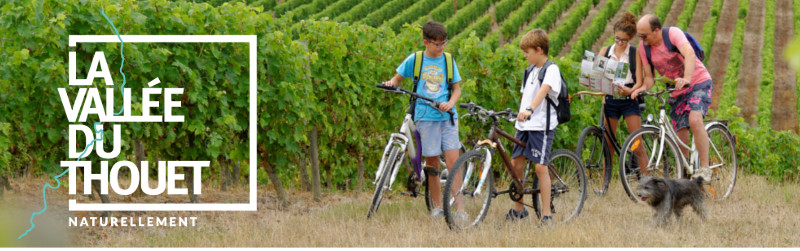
(712, 191)
(409, 194)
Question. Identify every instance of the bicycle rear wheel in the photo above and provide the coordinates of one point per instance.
(593, 151)
(644, 147)
(722, 160)
(568, 187)
(464, 189)
(384, 180)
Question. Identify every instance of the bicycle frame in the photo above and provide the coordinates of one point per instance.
(664, 126)
(407, 134)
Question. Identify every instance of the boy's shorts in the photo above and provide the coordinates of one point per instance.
(438, 136)
(697, 98)
(537, 146)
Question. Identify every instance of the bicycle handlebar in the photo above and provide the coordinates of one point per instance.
(483, 114)
(435, 104)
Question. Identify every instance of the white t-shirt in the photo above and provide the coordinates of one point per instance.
(552, 78)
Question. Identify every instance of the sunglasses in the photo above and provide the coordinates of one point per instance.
(642, 36)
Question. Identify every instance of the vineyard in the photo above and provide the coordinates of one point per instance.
(321, 121)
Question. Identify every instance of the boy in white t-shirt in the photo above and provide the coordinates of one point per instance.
(531, 120)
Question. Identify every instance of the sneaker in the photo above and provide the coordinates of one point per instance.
(704, 172)
(513, 215)
(547, 221)
(461, 217)
(436, 213)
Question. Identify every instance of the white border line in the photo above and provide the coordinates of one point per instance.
(251, 40)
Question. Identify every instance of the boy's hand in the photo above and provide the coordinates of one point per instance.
(389, 82)
(524, 116)
(446, 106)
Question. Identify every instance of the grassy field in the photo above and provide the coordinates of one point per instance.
(758, 214)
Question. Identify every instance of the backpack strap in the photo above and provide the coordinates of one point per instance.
(632, 60)
(550, 102)
(448, 59)
(665, 34)
(417, 73)
(649, 60)
(608, 51)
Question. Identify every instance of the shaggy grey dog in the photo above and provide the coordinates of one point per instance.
(670, 196)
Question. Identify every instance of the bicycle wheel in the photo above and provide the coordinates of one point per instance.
(593, 151)
(722, 160)
(659, 159)
(383, 181)
(466, 187)
(568, 187)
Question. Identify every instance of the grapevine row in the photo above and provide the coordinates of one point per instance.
(768, 67)
(388, 10)
(591, 34)
(564, 32)
(547, 17)
(443, 12)
(288, 5)
(518, 18)
(311, 8)
(710, 27)
(338, 8)
(360, 11)
(503, 8)
(686, 15)
(662, 9)
(417, 10)
(464, 17)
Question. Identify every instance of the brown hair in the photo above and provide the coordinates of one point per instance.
(533, 39)
(626, 24)
(433, 31)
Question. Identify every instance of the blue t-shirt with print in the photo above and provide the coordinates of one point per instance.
(432, 84)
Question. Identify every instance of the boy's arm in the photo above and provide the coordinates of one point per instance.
(537, 100)
(396, 80)
(454, 96)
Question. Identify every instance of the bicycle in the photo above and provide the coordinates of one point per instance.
(476, 191)
(593, 149)
(659, 134)
(406, 140)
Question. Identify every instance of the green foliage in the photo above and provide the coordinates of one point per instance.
(360, 11)
(518, 18)
(464, 17)
(336, 9)
(478, 28)
(443, 12)
(731, 78)
(662, 9)
(564, 32)
(266, 4)
(386, 12)
(547, 17)
(591, 34)
(768, 67)
(308, 9)
(686, 16)
(503, 8)
(710, 27)
(288, 5)
(417, 10)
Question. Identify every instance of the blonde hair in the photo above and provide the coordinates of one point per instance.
(533, 39)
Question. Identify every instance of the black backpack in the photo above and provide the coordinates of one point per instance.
(562, 109)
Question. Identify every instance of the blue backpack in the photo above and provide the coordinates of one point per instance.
(698, 51)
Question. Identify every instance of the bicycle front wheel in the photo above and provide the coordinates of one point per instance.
(722, 160)
(467, 193)
(646, 153)
(384, 180)
(593, 151)
(568, 187)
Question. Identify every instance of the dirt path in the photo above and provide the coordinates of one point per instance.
(587, 21)
(701, 13)
(750, 73)
(720, 53)
(649, 8)
(784, 113)
(674, 12)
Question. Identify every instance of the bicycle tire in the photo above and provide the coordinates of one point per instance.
(569, 174)
(475, 207)
(630, 172)
(381, 186)
(723, 178)
(596, 156)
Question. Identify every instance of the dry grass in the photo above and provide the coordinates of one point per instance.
(758, 214)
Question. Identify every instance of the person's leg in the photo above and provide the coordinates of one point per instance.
(700, 138)
(518, 169)
(431, 141)
(634, 122)
(611, 126)
(433, 181)
(545, 190)
(683, 135)
(450, 146)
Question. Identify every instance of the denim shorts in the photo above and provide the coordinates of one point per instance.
(438, 136)
(616, 108)
(537, 146)
(697, 98)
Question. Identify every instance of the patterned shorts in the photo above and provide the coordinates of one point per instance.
(697, 98)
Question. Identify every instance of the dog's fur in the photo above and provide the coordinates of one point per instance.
(670, 196)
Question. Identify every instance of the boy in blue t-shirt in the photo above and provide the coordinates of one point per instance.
(437, 134)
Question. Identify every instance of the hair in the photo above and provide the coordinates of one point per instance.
(536, 38)
(433, 31)
(626, 24)
(655, 23)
